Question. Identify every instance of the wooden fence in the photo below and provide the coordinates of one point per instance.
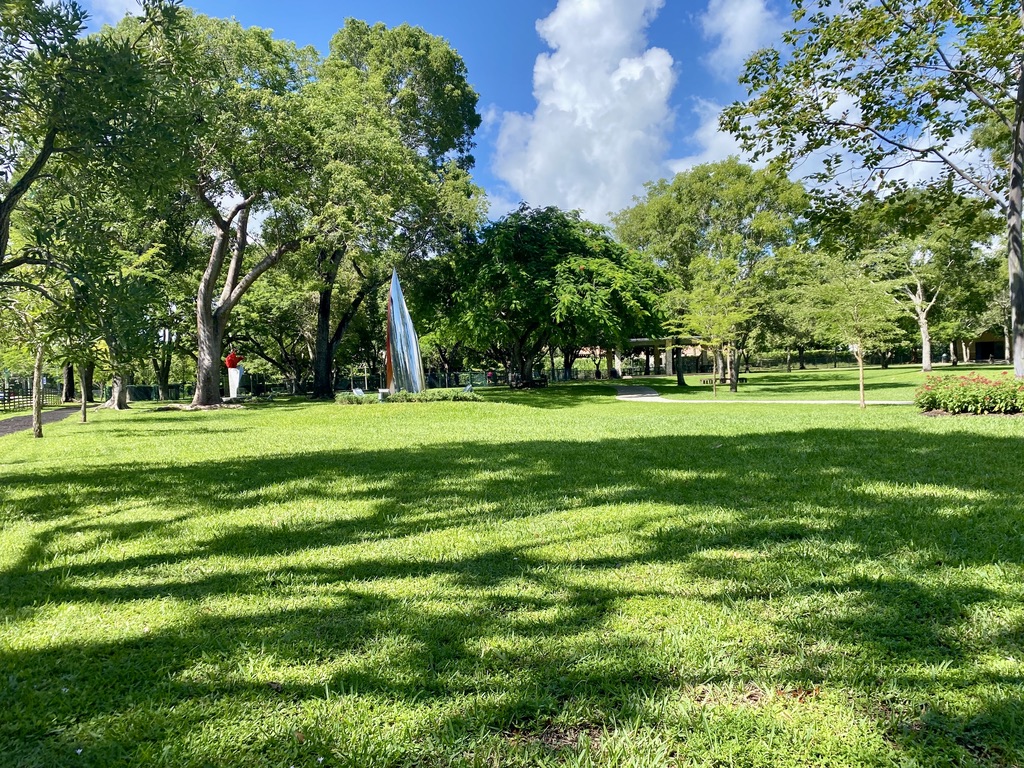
(16, 397)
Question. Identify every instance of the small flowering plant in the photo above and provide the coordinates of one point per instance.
(973, 393)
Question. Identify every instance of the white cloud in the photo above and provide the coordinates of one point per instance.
(111, 11)
(599, 129)
(710, 142)
(741, 27)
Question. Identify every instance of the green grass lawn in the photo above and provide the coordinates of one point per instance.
(894, 383)
(548, 578)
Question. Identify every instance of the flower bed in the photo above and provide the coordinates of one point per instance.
(971, 394)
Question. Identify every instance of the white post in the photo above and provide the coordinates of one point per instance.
(234, 378)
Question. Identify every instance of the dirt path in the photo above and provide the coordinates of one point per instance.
(648, 395)
(21, 423)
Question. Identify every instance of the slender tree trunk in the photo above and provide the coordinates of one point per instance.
(800, 358)
(966, 349)
(731, 363)
(952, 353)
(1015, 198)
(323, 354)
(647, 361)
(37, 393)
(859, 354)
(86, 387)
(789, 361)
(162, 370)
(715, 371)
(1007, 349)
(677, 364)
(67, 394)
(87, 372)
(926, 342)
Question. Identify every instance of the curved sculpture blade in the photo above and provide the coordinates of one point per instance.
(404, 363)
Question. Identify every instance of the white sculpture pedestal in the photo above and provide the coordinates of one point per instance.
(234, 378)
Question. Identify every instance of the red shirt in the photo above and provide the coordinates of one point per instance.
(232, 360)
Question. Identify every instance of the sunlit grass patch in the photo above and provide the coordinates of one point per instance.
(544, 578)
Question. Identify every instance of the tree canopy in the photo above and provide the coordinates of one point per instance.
(872, 86)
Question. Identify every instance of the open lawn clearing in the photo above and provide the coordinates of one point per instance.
(893, 383)
(558, 579)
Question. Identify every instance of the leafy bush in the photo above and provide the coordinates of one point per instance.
(971, 394)
(427, 396)
(347, 398)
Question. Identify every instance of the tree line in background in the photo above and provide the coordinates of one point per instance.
(177, 183)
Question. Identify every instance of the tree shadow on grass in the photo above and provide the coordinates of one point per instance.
(847, 543)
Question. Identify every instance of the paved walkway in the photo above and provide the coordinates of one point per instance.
(21, 423)
(648, 395)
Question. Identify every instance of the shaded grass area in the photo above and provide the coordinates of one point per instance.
(489, 584)
(894, 383)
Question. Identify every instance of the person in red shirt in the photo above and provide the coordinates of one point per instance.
(233, 359)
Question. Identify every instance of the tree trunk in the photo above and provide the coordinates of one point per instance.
(733, 370)
(210, 331)
(715, 370)
(37, 393)
(327, 340)
(859, 354)
(118, 393)
(323, 354)
(789, 361)
(67, 394)
(966, 349)
(647, 361)
(87, 372)
(162, 370)
(86, 387)
(952, 353)
(1015, 198)
(926, 342)
(800, 358)
(1007, 350)
(677, 364)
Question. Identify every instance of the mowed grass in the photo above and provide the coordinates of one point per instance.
(893, 383)
(546, 578)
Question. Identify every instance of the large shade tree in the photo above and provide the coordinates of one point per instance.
(875, 85)
(108, 101)
(724, 211)
(252, 153)
(537, 273)
(394, 116)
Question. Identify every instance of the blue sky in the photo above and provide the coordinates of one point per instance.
(583, 100)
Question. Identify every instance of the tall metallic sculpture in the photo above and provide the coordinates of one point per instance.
(404, 364)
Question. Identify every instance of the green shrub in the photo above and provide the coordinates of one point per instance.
(971, 394)
(427, 396)
(348, 398)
